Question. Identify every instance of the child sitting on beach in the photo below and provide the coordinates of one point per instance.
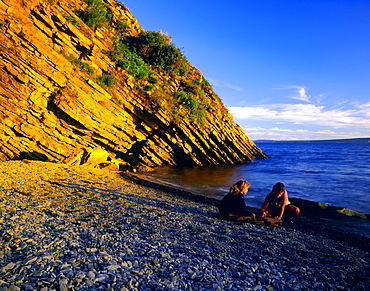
(232, 206)
(277, 204)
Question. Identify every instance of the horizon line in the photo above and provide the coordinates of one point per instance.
(316, 140)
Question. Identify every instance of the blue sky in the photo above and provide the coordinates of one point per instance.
(286, 70)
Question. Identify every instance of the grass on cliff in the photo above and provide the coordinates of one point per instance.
(150, 50)
(192, 97)
(105, 80)
(157, 50)
(141, 56)
(96, 15)
(72, 19)
(128, 60)
(146, 56)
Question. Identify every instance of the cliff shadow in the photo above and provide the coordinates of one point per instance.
(35, 156)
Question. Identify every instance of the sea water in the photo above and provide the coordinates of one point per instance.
(337, 174)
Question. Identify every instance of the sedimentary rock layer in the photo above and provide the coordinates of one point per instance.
(51, 109)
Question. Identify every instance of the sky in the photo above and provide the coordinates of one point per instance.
(286, 70)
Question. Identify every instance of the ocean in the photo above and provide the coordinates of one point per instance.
(337, 174)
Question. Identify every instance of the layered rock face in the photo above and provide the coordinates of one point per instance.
(55, 104)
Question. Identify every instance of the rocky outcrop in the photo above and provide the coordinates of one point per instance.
(53, 106)
(317, 209)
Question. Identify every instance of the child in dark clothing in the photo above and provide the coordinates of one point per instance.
(232, 206)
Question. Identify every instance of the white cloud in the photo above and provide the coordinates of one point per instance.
(276, 133)
(364, 109)
(306, 114)
(303, 95)
(224, 84)
(308, 120)
(302, 92)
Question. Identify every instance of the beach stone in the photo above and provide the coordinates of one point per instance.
(63, 281)
(29, 260)
(89, 282)
(63, 287)
(101, 277)
(113, 267)
(9, 266)
(91, 275)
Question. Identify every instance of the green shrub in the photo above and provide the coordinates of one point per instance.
(83, 66)
(190, 102)
(148, 87)
(105, 80)
(128, 60)
(152, 78)
(77, 62)
(200, 116)
(95, 15)
(157, 50)
(186, 100)
(205, 83)
(121, 26)
(134, 65)
(118, 100)
(71, 19)
(182, 69)
(189, 88)
(150, 49)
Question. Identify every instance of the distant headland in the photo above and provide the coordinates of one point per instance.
(349, 140)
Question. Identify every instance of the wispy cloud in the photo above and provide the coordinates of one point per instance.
(277, 133)
(364, 109)
(224, 84)
(308, 119)
(307, 114)
(300, 92)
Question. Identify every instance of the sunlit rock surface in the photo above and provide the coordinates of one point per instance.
(51, 109)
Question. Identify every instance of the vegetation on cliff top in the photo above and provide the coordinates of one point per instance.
(151, 58)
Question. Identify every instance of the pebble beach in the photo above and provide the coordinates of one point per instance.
(79, 228)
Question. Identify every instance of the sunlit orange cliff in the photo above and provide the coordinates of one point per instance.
(82, 83)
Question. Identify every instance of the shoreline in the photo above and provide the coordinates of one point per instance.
(339, 217)
(215, 181)
(76, 228)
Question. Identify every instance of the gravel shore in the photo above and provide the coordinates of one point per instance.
(77, 228)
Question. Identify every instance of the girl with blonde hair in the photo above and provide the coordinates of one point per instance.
(233, 207)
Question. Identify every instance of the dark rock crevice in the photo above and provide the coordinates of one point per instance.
(52, 107)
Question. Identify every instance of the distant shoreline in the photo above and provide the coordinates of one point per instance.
(350, 140)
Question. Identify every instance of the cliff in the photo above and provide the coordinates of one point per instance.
(82, 83)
